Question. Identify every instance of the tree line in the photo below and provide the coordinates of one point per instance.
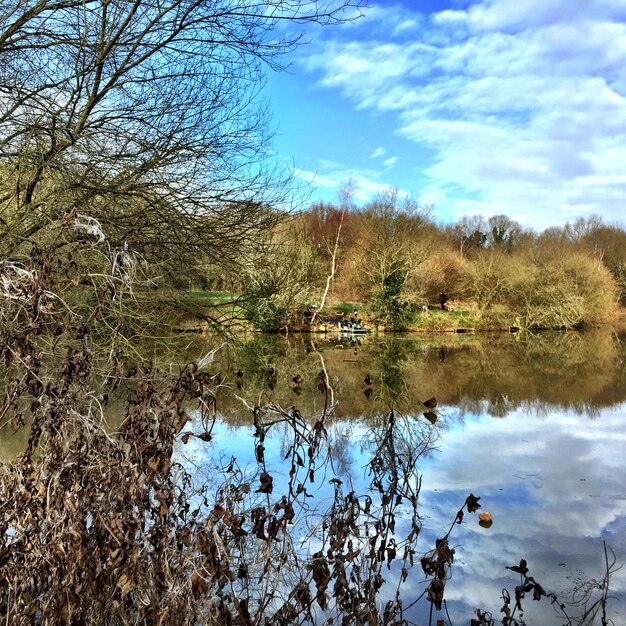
(393, 256)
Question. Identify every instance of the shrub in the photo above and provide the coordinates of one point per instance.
(569, 292)
(538, 290)
(277, 291)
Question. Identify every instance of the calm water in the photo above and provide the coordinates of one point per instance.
(535, 426)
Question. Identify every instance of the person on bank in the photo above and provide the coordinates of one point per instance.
(443, 298)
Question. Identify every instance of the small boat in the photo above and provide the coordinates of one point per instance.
(349, 328)
(357, 331)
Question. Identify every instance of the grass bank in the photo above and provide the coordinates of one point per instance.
(459, 316)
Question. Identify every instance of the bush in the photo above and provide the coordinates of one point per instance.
(263, 308)
(393, 304)
(568, 290)
(278, 291)
(445, 271)
(572, 291)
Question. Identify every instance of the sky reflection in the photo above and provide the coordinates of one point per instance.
(556, 488)
(555, 484)
(534, 426)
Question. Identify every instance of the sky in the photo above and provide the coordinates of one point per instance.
(474, 106)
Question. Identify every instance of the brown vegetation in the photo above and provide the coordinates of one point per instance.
(391, 256)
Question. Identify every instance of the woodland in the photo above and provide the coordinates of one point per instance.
(135, 174)
(392, 259)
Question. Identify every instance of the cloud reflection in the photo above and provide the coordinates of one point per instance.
(555, 487)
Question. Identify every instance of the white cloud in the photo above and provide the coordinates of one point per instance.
(406, 25)
(390, 162)
(523, 103)
(515, 16)
(367, 183)
(377, 153)
(450, 17)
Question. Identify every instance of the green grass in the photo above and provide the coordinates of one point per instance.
(433, 319)
(211, 297)
(462, 317)
(437, 320)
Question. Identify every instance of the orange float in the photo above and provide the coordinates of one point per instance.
(485, 520)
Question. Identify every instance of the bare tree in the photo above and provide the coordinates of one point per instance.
(145, 115)
(582, 227)
(345, 194)
(394, 244)
(469, 233)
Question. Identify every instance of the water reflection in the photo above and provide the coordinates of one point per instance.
(552, 478)
(550, 470)
(493, 375)
(554, 486)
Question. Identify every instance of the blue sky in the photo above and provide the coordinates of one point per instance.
(485, 106)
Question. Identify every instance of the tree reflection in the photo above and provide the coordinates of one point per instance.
(490, 375)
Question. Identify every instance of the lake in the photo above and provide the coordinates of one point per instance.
(533, 425)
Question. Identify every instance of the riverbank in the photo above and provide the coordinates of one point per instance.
(459, 316)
